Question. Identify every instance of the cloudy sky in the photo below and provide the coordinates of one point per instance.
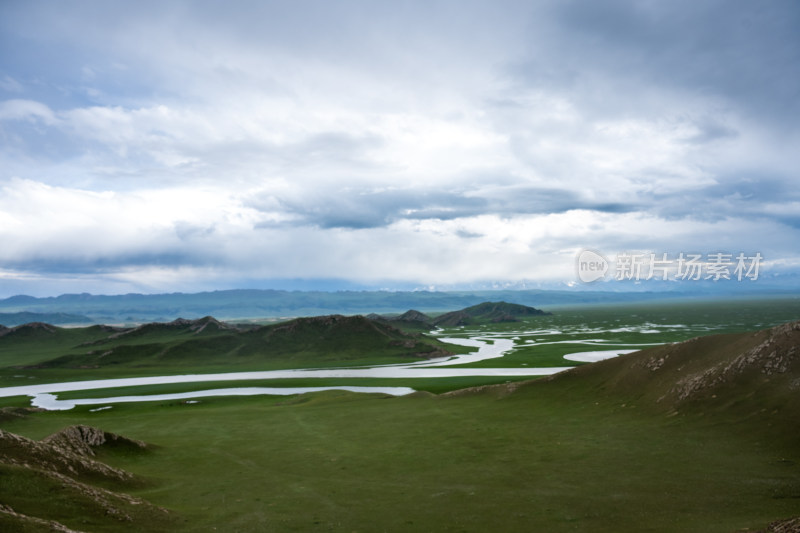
(187, 146)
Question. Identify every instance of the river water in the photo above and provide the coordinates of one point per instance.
(43, 395)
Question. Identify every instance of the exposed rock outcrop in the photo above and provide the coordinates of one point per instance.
(791, 525)
(776, 352)
(55, 457)
(26, 520)
(64, 463)
(83, 440)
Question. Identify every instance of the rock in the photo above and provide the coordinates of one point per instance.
(790, 525)
(82, 440)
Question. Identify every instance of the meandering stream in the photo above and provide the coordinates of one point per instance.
(43, 395)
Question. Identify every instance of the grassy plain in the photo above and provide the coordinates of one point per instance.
(541, 341)
(560, 455)
(541, 459)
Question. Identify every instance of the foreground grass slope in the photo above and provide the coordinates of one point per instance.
(692, 437)
(58, 481)
(741, 379)
(470, 463)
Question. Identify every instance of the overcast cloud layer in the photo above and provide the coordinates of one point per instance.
(184, 146)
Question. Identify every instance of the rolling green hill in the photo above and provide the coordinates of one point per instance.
(743, 378)
(207, 344)
(411, 320)
(483, 313)
(698, 436)
(487, 313)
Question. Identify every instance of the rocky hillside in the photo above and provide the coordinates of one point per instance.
(751, 376)
(723, 370)
(57, 484)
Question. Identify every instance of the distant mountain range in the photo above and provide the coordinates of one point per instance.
(250, 304)
(24, 317)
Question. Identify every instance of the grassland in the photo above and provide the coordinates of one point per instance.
(537, 460)
(595, 450)
(42, 353)
(541, 341)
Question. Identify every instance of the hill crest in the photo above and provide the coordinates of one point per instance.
(491, 312)
(182, 343)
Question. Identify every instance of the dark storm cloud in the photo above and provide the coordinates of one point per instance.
(338, 208)
(64, 263)
(747, 195)
(373, 209)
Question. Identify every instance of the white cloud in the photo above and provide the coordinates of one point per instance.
(191, 236)
(26, 110)
(436, 143)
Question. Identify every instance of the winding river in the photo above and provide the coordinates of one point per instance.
(43, 395)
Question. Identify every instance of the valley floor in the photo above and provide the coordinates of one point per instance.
(539, 459)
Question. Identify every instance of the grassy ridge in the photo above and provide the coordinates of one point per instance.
(43, 353)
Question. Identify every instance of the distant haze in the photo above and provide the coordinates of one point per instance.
(188, 146)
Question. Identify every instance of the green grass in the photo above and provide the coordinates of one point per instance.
(625, 324)
(39, 356)
(433, 385)
(542, 459)
(32, 349)
(587, 322)
(12, 377)
(563, 455)
(25, 490)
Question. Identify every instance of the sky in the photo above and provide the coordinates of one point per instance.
(187, 146)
